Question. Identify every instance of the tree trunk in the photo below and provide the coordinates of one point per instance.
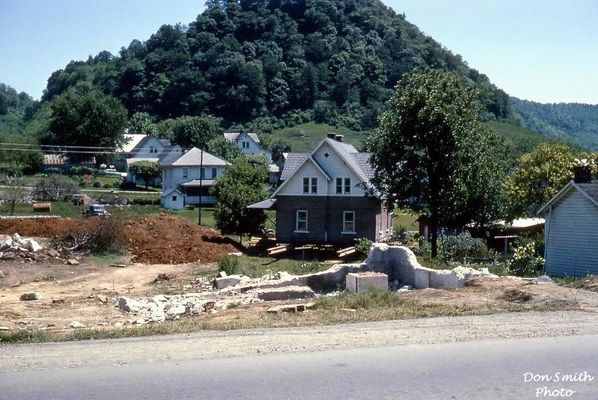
(146, 184)
(434, 234)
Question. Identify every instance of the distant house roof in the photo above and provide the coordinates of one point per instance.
(63, 160)
(263, 205)
(132, 140)
(170, 191)
(232, 136)
(199, 183)
(589, 190)
(193, 158)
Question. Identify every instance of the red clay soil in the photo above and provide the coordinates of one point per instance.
(158, 239)
(164, 239)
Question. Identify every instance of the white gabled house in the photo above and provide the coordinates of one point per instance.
(187, 178)
(326, 196)
(148, 148)
(248, 143)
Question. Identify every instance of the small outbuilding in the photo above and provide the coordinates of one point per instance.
(571, 231)
(173, 199)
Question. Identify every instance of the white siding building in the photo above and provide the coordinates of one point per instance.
(192, 174)
(249, 143)
(571, 230)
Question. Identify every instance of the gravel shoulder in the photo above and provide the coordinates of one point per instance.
(211, 344)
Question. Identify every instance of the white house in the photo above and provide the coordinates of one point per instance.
(249, 143)
(149, 148)
(190, 176)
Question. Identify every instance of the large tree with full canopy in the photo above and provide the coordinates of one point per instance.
(432, 154)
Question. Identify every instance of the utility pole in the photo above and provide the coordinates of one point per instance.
(200, 183)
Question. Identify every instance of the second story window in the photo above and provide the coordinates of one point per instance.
(347, 185)
(310, 185)
(214, 173)
(185, 172)
(245, 145)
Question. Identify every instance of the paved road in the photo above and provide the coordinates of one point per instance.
(486, 369)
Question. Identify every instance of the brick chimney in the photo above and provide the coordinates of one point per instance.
(339, 138)
(331, 135)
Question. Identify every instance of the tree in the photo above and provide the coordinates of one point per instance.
(13, 193)
(224, 149)
(193, 131)
(432, 154)
(146, 170)
(90, 119)
(538, 176)
(242, 184)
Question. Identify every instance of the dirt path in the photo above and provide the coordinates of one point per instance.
(212, 344)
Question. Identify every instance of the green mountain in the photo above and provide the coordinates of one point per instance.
(16, 111)
(323, 60)
(574, 122)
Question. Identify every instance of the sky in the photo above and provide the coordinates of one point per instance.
(540, 50)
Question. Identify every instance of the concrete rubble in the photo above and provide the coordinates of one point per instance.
(400, 264)
(15, 245)
(363, 281)
(30, 296)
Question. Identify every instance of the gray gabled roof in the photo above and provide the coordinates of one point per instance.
(358, 162)
(232, 136)
(193, 158)
(291, 163)
(589, 190)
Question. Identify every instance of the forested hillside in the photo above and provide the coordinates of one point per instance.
(574, 122)
(16, 110)
(323, 60)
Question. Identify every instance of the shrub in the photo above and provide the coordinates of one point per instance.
(97, 184)
(229, 264)
(106, 186)
(98, 235)
(82, 182)
(55, 188)
(525, 261)
(456, 247)
(362, 246)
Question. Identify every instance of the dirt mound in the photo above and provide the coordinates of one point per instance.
(164, 239)
(49, 228)
(587, 283)
(158, 239)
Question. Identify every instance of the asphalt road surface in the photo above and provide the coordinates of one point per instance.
(482, 369)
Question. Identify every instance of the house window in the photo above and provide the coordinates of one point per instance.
(203, 173)
(347, 185)
(153, 149)
(349, 222)
(339, 185)
(301, 221)
(173, 198)
(245, 145)
(185, 172)
(310, 185)
(214, 171)
(314, 185)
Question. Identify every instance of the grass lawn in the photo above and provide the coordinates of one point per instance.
(305, 137)
(63, 208)
(406, 220)
(257, 267)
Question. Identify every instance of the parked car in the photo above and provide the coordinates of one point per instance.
(96, 210)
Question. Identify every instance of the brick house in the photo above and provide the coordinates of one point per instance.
(326, 197)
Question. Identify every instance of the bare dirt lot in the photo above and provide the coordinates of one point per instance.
(168, 255)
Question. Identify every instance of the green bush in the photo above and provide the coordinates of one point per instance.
(97, 184)
(362, 246)
(82, 182)
(229, 264)
(107, 186)
(525, 261)
(456, 247)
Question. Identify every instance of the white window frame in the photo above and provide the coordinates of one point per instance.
(339, 185)
(313, 187)
(306, 185)
(345, 230)
(185, 172)
(305, 220)
(347, 186)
